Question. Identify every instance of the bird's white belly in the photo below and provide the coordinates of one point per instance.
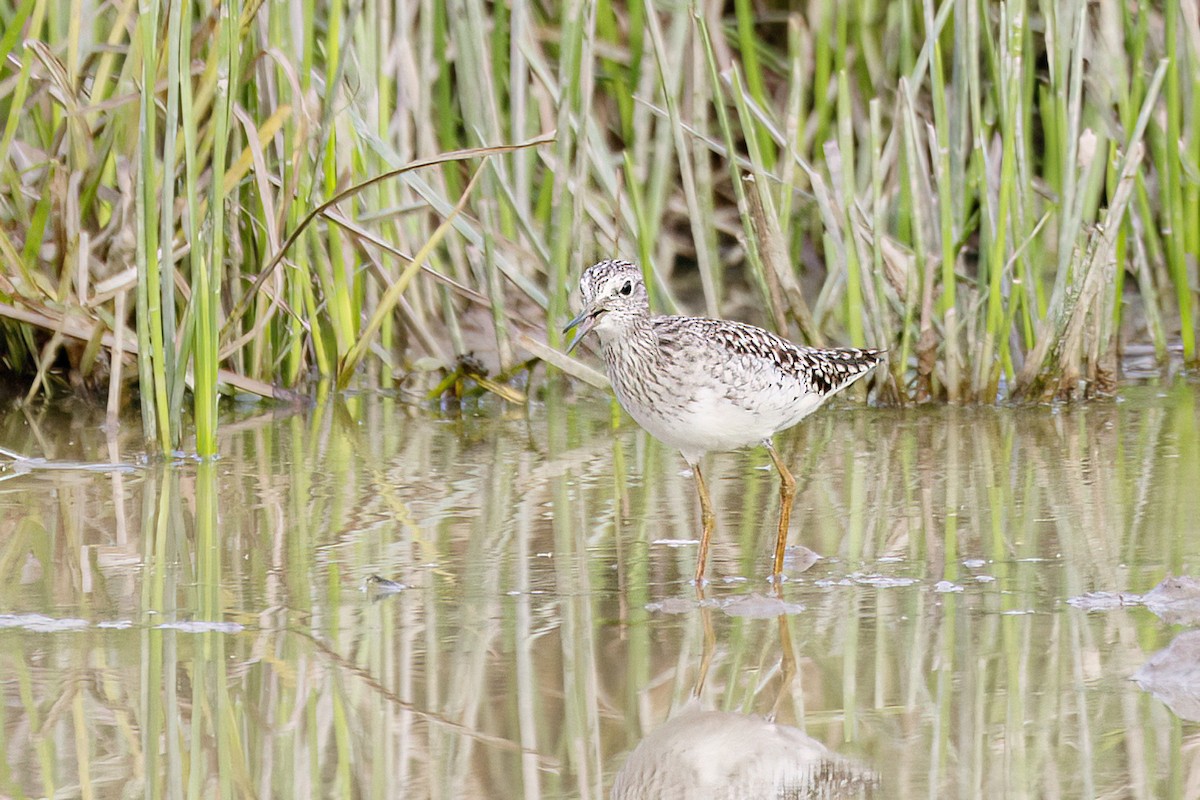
(708, 421)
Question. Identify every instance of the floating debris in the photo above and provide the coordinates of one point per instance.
(21, 465)
(746, 606)
(1104, 601)
(946, 587)
(1175, 600)
(378, 586)
(202, 626)
(673, 605)
(1173, 676)
(799, 559)
(759, 606)
(40, 623)
(116, 624)
(882, 581)
(825, 583)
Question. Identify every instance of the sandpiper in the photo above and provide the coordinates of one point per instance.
(702, 385)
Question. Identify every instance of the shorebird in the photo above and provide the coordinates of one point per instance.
(701, 384)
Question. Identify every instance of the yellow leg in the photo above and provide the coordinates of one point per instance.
(787, 493)
(710, 642)
(787, 663)
(707, 518)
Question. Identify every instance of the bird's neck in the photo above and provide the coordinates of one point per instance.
(628, 337)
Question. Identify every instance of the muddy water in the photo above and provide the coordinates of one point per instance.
(971, 628)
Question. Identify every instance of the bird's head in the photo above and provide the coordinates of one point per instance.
(613, 294)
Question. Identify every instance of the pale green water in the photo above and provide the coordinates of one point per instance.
(531, 650)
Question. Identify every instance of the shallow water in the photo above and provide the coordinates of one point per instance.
(206, 630)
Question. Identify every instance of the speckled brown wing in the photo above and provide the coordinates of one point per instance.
(818, 371)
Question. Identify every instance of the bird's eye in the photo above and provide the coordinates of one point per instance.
(627, 289)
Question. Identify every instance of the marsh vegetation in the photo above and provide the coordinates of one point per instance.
(248, 197)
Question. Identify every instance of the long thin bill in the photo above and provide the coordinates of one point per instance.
(582, 324)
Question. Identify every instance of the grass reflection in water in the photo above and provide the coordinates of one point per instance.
(199, 629)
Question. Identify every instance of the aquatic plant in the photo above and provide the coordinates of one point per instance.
(1000, 193)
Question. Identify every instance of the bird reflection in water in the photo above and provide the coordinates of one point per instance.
(716, 754)
(700, 753)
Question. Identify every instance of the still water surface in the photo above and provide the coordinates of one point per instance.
(214, 630)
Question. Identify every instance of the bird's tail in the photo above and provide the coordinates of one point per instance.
(831, 371)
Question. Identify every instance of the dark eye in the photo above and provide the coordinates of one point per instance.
(627, 289)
